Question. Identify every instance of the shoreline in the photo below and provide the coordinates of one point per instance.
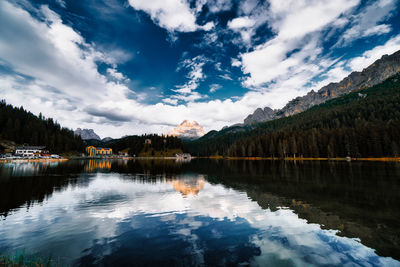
(382, 159)
(31, 160)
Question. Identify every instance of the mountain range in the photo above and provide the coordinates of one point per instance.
(358, 124)
(377, 72)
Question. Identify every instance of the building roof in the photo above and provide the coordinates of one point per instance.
(30, 147)
(98, 148)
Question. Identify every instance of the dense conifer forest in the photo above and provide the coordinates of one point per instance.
(136, 144)
(23, 127)
(364, 123)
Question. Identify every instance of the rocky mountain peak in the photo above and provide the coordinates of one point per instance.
(86, 134)
(187, 129)
(260, 115)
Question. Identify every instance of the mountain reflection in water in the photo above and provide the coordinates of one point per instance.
(203, 212)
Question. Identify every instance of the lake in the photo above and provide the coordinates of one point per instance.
(202, 212)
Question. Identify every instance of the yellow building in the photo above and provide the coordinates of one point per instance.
(98, 151)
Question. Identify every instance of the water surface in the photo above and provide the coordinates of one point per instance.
(203, 212)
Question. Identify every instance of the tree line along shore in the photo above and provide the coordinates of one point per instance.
(363, 124)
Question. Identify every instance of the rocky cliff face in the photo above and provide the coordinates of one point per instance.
(379, 71)
(265, 114)
(188, 130)
(86, 134)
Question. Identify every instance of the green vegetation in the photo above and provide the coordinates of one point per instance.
(135, 145)
(23, 127)
(150, 152)
(364, 123)
(21, 260)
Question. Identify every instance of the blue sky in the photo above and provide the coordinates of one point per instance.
(139, 66)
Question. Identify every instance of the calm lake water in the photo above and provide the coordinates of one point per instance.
(202, 213)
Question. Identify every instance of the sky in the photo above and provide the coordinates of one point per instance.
(124, 67)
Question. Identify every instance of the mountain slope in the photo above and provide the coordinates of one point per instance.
(357, 124)
(377, 72)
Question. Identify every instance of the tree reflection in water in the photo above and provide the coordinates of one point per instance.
(357, 200)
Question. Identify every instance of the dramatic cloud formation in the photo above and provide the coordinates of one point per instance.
(297, 25)
(154, 64)
(366, 23)
(173, 15)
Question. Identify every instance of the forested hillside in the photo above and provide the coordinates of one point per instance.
(136, 145)
(364, 123)
(23, 127)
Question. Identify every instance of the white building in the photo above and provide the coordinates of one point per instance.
(29, 151)
(183, 156)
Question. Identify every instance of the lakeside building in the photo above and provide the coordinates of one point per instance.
(123, 153)
(183, 156)
(29, 151)
(98, 151)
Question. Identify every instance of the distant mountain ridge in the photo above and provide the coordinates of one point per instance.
(87, 134)
(107, 139)
(187, 130)
(377, 72)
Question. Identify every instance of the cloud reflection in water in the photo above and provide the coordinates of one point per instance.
(116, 219)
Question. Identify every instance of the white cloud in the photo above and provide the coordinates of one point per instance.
(215, 87)
(377, 30)
(252, 15)
(53, 54)
(366, 23)
(216, 6)
(226, 76)
(195, 76)
(241, 22)
(61, 3)
(269, 62)
(218, 66)
(244, 26)
(116, 75)
(289, 17)
(235, 62)
(173, 15)
(170, 101)
(370, 56)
